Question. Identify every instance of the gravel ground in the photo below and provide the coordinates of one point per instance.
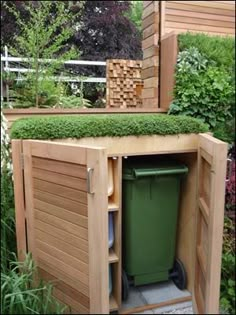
(187, 310)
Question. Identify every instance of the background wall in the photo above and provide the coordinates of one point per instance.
(212, 17)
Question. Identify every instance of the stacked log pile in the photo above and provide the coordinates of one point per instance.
(124, 83)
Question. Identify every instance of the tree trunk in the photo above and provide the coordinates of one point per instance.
(37, 83)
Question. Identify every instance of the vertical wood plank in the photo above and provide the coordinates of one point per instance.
(19, 199)
(169, 52)
(216, 228)
(162, 17)
(209, 228)
(29, 205)
(98, 233)
(118, 234)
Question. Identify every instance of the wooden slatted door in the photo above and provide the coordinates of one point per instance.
(212, 156)
(66, 210)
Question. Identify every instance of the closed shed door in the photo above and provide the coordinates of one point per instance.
(66, 209)
(212, 156)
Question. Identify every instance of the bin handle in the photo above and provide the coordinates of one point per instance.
(143, 172)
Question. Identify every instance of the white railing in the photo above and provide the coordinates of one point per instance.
(9, 64)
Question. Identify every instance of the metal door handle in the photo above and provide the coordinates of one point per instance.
(89, 177)
(229, 162)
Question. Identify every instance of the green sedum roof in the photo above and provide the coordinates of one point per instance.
(99, 125)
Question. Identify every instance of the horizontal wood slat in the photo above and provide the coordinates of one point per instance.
(150, 62)
(149, 10)
(199, 15)
(197, 21)
(150, 30)
(150, 52)
(150, 102)
(69, 193)
(150, 41)
(151, 82)
(74, 251)
(149, 72)
(62, 235)
(71, 261)
(76, 295)
(61, 213)
(67, 204)
(174, 25)
(49, 150)
(179, 31)
(198, 8)
(64, 180)
(207, 4)
(75, 306)
(69, 169)
(61, 224)
(151, 19)
(149, 93)
(57, 263)
(62, 274)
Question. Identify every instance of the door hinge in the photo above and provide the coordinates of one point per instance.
(22, 161)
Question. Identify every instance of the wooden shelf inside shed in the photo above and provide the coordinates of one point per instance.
(112, 256)
(112, 206)
(113, 304)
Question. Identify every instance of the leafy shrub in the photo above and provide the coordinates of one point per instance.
(217, 49)
(227, 298)
(201, 90)
(225, 131)
(230, 200)
(73, 101)
(112, 125)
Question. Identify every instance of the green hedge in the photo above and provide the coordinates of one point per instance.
(205, 82)
(58, 127)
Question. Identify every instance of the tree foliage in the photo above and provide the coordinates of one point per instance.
(43, 35)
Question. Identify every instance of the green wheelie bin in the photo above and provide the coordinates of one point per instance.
(150, 199)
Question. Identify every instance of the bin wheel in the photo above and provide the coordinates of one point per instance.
(178, 275)
(125, 286)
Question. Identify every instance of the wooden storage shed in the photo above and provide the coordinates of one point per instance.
(62, 206)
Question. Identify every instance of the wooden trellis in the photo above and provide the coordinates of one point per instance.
(124, 83)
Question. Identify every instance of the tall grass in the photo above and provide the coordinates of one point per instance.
(19, 295)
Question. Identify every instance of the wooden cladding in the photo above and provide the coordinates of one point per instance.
(150, 46)
(60, 215)
(124, 83)
(212, 17)
(61, 228)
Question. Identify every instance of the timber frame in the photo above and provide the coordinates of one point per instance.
(60, 191)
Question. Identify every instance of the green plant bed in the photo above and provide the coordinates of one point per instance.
(112, 125)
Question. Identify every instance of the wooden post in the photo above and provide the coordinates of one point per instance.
(150, 46)
(169, 52)
(20, 218)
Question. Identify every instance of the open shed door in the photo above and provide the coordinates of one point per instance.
(67, 227)
(212, 157)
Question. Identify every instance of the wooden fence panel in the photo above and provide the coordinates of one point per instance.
(169, 52)
(212, 17)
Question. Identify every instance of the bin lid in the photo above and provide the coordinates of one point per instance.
(146, 166)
